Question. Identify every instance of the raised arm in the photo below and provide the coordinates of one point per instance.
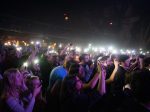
(64, 50)
(102, 83)
(92, 82)
(111, 78)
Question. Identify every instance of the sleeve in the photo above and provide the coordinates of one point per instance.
(17, 107)
(14, 106)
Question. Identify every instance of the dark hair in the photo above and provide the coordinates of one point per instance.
(140, 81)
(30, 83)
(146, 62)
(122, 58)
(141, 56)
(62, 57)
(82, 56)
(69, 63)
(74, 69)
(68, 88)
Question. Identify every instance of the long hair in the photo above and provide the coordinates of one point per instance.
(10, 88)
(68, 88)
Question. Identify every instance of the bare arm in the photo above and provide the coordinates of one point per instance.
(111, 79)
(102, 83)
(64, 50)
(92, 82)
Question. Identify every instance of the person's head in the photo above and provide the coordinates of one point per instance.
(71, 85)
(85, 58)
(124, 60)
(140, 81)
(67, 64)
(110, 59)
(62, 59)
(72, 54)
(146, 62)
(74, 69)
(13, 81)
(33, 82)
(103, 60)
(77, 58)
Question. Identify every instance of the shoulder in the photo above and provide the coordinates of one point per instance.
(11, 100)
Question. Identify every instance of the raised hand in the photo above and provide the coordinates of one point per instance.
(116, 63)
(37, 90)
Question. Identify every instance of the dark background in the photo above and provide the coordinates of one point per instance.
(124, 23)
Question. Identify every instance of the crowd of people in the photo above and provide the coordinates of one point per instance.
(33, 80)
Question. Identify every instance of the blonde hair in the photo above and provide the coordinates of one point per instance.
(10, 88)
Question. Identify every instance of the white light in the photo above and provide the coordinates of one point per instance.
(86, 50)
(15, 45)
(25, 64)
(53, 51)
(9, 43)
(78, 49)
(128, 51)
(19, 48)
(102, 49)
(32, 42)
(114, 52)
(90, 45)
(71, 48)
(37, 42)
(140, 49)
(68, 49)
(143, 53)
(5, 44)
(49, 47)
(147, 52)
(36, 61)
(60, 46)
(133, 51)
(121, 50)
(110, 48)
(95, 49)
